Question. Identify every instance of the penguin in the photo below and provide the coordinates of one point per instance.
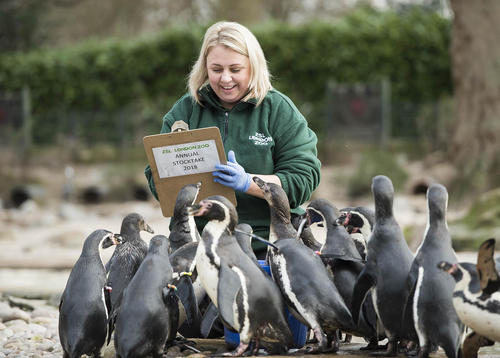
(235, 284)
(431, 287)
(184, 237)
(182, 226)
(302, 277)
(148, 316)
(359, 223)
(344, 263)
(386, 270)
(83, 313)
(125, 261)
(476, 298)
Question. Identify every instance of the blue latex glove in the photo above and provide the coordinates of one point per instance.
(232, 174)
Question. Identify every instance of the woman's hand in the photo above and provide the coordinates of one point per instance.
(232, 174)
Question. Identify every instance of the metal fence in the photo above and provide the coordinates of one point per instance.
(354, 112)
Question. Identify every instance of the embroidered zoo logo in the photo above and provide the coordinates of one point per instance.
(260, 139)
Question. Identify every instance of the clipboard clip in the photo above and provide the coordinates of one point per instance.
(179, 126)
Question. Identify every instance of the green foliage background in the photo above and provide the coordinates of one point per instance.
(410, 49)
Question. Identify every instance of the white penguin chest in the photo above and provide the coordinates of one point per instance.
(208, 273)
(473, 313)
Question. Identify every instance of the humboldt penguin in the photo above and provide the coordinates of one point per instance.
(344, 262)
(386, 270)
(476, 298)
(359, 223)
(302, 277)
(184, 237)
(148, 316)
(182, 226)
(83, 313)
(431, 287)
(235, 284)
(128, 256)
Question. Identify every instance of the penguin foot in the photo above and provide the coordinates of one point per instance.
(333, 341)
(392, 350)
(182, 343)
(414, 350)
(238, 352)
(347, 338)
(312, 350)
(373, 346)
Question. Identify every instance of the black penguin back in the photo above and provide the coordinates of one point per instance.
(143, 307)
(128, 256)
(82, 311)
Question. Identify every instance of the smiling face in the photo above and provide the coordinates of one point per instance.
(228, 74)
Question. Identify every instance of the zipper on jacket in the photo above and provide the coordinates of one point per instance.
(226, 124)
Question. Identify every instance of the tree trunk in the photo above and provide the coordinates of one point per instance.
(475, 54)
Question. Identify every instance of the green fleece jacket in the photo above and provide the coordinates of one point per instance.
(272, 138)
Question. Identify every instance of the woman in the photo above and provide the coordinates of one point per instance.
(263, 132)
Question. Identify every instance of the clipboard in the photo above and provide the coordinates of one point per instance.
(186, 157)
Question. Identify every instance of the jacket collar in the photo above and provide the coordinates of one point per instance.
(210, 99)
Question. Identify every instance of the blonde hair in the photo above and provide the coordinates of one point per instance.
(238, 38)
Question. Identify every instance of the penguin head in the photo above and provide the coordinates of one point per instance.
(383, 194)
(437, 202)
(134, 222)
(159, 244)
(186, 196)
(275, 197)
(216, 208)
(101, 239)
(315, 212)
(464, 274)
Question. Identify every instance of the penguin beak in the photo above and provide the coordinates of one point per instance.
(199, 209)
(261, 184)
(110, 240)
(193, 209)
(347, 219)
(117, 239)
(146, 227)
(447, 267)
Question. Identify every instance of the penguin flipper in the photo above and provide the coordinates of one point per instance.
(407, 320)
(111, 325)
(208, 320)
(111, 313)
(488, 275)
(227, 290)
(364, 283)
(185, 292)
